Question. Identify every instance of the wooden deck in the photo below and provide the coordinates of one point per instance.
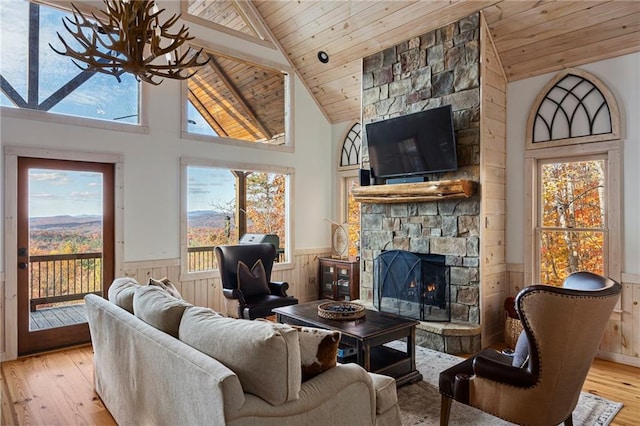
(57, 317)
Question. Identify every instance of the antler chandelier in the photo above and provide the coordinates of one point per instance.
(130, 38)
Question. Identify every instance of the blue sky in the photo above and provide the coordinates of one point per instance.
(62, 192)
(208, 187)
(101, 97)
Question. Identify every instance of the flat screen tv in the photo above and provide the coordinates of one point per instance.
(413, 144)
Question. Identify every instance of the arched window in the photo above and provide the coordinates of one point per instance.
(350, 153)
(574, 107)
(573, 169)
(348, 166)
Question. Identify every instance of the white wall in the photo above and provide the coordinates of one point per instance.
(622, 77)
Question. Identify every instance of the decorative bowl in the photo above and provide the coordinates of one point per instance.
(341, 311)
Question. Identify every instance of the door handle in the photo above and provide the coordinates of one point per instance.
(23, 265)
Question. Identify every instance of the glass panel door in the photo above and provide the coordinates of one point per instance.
(342, 284)
(65, 248)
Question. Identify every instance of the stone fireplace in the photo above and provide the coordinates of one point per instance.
(439, 68)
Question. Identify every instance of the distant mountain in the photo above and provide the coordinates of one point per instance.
(196, 219)
(64, 222)
(206, 219)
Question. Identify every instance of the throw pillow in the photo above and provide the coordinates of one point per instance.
(318, 350)
(167, 286)
(521, 352)
(252, 282)
(157, 308)
(121, 292)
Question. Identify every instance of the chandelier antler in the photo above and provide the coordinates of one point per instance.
(129, 38)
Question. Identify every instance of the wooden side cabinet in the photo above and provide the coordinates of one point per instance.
(339, 279)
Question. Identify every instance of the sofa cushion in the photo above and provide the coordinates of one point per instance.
(166, 285)
(386, 395)
(265, 356)
(157, 308)
(121, 292)
(318, 350)
(252, 282)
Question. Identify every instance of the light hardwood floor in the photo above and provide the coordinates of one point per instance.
(56, 388)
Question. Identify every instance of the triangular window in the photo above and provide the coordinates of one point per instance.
(238, 100)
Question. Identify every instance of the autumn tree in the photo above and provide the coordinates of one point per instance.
(353, 219)
(266, 204)
(573, 220)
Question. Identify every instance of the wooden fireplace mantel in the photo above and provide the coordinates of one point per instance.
(415, 192)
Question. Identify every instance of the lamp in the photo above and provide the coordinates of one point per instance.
(130, 39)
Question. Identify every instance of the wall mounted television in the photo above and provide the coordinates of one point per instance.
(413, 144)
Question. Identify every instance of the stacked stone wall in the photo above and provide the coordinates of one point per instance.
(435, 69)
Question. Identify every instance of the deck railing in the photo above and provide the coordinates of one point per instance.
(202, 258)
(64, 277)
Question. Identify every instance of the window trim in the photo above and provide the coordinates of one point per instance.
(10, 158)
(185, 162)
(289, 107)
(612, 151)
(72, 120)
(608, 97)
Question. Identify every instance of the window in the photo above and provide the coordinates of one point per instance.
(352, 215)
(51, 82)
(572, 220)
(349, 165)
(573, 170)
(233, 100)
(223, 203)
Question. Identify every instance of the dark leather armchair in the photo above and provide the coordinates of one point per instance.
(254, 306)
(563, 328)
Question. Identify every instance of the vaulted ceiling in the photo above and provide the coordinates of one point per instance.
(531, 37)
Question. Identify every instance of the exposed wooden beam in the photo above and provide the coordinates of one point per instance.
(210, 119)
(213, 64)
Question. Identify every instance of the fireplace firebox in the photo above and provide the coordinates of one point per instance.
(412, 285)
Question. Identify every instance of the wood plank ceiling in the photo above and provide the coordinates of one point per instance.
(531, 37)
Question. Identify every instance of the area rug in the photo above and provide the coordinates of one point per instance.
(420, 402)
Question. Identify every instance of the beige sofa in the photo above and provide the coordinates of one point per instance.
(148, 376)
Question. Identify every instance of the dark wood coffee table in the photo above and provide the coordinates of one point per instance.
(367, 335)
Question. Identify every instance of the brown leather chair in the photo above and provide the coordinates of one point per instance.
(250, 306)
(563, 327)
